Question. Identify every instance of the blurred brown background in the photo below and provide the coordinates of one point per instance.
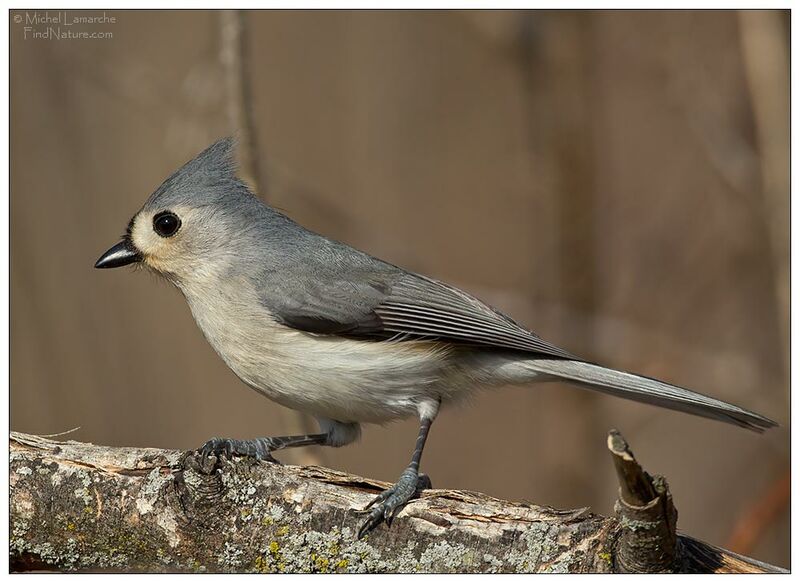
(618, 181)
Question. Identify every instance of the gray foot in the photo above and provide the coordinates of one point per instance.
(388, 503)
(253, 448)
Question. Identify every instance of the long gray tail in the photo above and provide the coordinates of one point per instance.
(647, 390)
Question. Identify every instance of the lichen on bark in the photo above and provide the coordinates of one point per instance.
(81, 507)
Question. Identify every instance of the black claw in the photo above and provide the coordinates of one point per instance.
(228, 448)
(393, 514)
(387, 505)
(379, 498)
(371, 522)
(212, 446)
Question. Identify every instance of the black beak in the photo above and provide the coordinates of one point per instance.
(123, 253)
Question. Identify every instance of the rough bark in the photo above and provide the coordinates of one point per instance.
(648, 541)
(80, 507)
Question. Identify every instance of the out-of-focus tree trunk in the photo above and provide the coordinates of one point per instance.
(766, 59)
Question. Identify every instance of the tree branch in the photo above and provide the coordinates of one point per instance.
(77, 506)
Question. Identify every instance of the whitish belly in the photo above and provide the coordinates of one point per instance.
(341, 379)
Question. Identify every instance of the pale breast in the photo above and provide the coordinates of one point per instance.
(334, 377)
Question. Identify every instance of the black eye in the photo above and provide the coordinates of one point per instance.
(166, 224)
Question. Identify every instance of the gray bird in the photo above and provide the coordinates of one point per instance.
(320, 327)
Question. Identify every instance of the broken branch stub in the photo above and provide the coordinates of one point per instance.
(647, 540)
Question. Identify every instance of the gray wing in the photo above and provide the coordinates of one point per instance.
(422, 307)
(362, 297)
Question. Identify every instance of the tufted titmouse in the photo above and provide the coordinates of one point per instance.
(323, 328)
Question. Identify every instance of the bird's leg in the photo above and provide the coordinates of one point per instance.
(388, 503)
(260, 448)
(334, 434)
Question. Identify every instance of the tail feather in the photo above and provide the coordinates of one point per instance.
(652, 391)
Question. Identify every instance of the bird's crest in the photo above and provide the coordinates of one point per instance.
(216, 165)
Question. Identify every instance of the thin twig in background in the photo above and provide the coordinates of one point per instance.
(235, 64)
(62, 433)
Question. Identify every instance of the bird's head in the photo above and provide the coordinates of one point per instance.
(194, 221)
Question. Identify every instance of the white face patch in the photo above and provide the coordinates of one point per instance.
(164, 254)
